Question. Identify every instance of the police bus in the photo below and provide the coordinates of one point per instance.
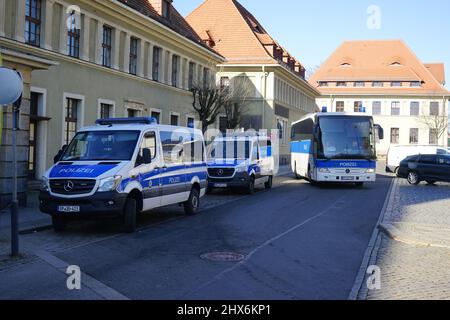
(335, 147)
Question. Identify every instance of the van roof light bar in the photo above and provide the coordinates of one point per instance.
(112, 121)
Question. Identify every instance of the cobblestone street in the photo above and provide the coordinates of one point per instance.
(414, 249)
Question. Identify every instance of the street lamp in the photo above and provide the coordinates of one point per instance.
(11, 89)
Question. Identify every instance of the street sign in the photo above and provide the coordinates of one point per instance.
(11, 86)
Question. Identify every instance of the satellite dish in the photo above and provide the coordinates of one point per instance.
(11, 86)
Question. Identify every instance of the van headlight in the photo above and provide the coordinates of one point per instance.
(109, 184)
(241, 169)
(370, 171)
(324, 170)
(45, 184)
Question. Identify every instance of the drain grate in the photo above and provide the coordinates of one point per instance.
(223, 256)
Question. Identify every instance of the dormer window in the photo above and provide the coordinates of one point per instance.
(415, 84)
(323, 84)
(345, 64)
(165, 10)
(359, 84)
(396, 84)
(341, 84)
(396, 63)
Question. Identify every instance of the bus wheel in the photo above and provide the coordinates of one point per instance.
(310, 179)
(59, 224)
(193, 203)
(269, 183)
(129, 216)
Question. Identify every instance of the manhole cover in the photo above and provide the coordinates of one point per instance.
(223, 256)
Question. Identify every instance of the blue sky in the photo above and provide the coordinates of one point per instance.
(312, 30)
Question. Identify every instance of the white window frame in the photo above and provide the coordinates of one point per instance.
(106, 101)
(42, 133)
(80, 113)
(175, 114)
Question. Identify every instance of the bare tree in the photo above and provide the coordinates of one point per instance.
(437, 122)
(236, 97)
(208, 103)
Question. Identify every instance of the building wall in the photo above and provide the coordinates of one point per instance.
(86, 79)
(404, 122)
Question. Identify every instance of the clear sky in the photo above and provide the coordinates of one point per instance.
(312, 30)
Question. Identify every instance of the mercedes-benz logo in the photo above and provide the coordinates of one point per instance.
(220, 172)
(347, 171)
(68, 186)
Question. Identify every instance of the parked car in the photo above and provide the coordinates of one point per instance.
(240, 160)
(398, 153)
(122, 167)
(431, 168)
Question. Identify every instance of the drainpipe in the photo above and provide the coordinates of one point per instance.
(264, 95)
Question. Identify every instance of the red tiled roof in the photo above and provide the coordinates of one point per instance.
(378, 61)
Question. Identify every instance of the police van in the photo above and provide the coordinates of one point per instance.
(241, 160)
(122, 167)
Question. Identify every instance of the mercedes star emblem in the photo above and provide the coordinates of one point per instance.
(68, 186)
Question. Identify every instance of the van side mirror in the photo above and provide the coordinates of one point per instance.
(146, 155)
(380, 131)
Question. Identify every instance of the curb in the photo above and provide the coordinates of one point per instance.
(372, 248)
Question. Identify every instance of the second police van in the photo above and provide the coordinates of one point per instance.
(121, 167)
(241, 160)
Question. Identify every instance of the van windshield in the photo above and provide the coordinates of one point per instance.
(230, 149)
(102, 146)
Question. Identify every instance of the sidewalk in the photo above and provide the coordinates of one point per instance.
(413, 249)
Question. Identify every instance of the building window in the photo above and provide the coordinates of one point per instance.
(33, 22)
(165, 9)
(414, 108)
(175, 60)
(282, 127)
(377, 84)
(71, 119)
(376, 108)
(341, 84)
(415, 84)
(206, 78)
(156, 115)
(433, 136)
(174, 119)
(107, 46)
(396, 84)
(358, 106)
(191, 76)
(395, 135)
(395, 108)
(133, 55)
(340, 106)
(106, 111)
(360, 84)
(133, 113)
(434, 108)
(413, 136)
(190, 123)
(73, 37)
(323, 84)
(156, 62)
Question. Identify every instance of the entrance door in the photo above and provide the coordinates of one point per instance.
(34, 104)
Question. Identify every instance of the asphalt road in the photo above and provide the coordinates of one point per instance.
(298, 242)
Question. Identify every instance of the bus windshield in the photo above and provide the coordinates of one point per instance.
(346, 138)
(102, 146)
(230, 149)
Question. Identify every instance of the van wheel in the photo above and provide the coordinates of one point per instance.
(129, 216)
(192, 205)
(59, 224)
(269, 183)
(413, 178)
(251, 185)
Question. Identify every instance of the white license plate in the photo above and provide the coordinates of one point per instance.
(220, 185)
(69, 209)
(348, 178)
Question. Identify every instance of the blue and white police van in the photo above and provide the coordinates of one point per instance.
(122, 167)
(241, 160)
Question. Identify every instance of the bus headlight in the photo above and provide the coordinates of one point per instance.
(370, 171)
(45, 184)
(324, 170)
(109, 184)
